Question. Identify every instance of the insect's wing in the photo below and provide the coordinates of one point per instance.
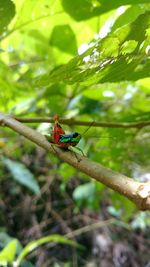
(65, 138)
(58, 130)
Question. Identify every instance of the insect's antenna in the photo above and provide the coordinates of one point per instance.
(107, 137)
(88, 128)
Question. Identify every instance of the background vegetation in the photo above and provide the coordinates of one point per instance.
(86, 60)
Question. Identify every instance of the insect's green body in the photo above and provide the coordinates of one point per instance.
(69, 139)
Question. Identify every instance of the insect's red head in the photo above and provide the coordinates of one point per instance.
(56, 118)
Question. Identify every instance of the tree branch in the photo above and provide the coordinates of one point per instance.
(138, 125)
(137, 192)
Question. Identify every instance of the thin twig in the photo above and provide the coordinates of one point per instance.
(90, 227)
(71, 122)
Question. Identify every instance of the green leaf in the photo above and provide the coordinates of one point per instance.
(8, 253)
(88, 195)
(128, 16)
(144, 84)
(64, 39)
(101, 93)
(128, 47)
(105, 61)
(140, 221)
(84, 9)
(48, 239)
(119, 70)
(22, 175)
(138, 28)
(123, 204)
(122, 70)
(7, 12)
(36, 7)
(84, 191)
(114, 212)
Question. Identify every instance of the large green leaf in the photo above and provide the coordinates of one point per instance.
(22, 175)
(110, 71)
(117, 57)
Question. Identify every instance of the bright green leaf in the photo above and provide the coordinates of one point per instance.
(109, 47)
(128, 47)
(8, 253)
(105, 61)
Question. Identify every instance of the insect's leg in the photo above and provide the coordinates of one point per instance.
(73, 150)
(50, 140)
(78, 159)
(78, 148)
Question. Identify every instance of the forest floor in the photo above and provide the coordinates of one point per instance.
(106, 240)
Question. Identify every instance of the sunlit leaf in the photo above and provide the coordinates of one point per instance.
(105, 61)
(128, 47)
(8, 253)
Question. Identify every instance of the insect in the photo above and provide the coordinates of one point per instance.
(64, 140)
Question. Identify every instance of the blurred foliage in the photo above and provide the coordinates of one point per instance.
(86, 60)
(21, 174)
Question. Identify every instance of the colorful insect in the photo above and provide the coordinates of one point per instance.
(66, 141)
(61, 139)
